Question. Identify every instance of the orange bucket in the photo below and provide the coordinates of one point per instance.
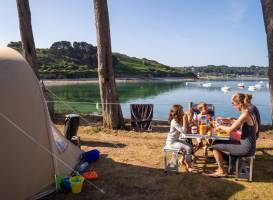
(90, 175)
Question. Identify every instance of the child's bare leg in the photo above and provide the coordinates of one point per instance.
(207, 145)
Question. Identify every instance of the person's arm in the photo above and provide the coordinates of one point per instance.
(181, 129)
(237, 124)
(226, 120)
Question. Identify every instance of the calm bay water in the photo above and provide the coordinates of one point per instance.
(83, 98)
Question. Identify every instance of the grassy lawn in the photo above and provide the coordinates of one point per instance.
(131, 168)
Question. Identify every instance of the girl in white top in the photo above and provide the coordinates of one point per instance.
(176, 137)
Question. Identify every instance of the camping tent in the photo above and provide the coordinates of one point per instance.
(32, 150)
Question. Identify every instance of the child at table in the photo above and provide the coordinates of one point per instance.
(176, 136)
(204, 111)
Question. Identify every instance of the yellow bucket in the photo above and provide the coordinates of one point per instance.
(76, 184)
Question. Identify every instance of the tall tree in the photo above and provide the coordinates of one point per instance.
(112, 114)
(267, 6)
(29, 51)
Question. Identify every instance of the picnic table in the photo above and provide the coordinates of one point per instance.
(205, 136)
(176, 151)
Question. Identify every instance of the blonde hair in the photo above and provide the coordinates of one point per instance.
(176, 113)
(201, 106)
(240, 98)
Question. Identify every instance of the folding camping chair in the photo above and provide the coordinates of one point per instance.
(141, 117)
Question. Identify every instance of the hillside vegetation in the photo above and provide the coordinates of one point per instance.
(79, 60)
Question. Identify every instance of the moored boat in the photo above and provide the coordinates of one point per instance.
(207, 85)
(252, 88)
(225, 88)
(241, 85)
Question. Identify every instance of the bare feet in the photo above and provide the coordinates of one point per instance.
(190, 168)
(219, 173)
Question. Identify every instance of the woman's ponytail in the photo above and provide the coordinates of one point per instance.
(247, 98)
(240, 98)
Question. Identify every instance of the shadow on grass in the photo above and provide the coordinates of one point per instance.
(262, 170)
(102, 144)
(263, 165)
(126, 181)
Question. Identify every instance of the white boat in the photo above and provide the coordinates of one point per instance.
(259, 85)
(225, 88)
(241, 85)
(206, 85)
(252, 88)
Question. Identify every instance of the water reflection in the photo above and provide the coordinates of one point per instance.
(83, 98)
(163, 95)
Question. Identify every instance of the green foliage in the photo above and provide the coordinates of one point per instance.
(223, 70)
(79, 60)
(64, 60)
(16, 45)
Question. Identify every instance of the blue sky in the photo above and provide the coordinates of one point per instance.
(173, 32)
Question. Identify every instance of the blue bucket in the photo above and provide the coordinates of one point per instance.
(91, 156)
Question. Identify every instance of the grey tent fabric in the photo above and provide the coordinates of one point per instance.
(30, 139)
(141, 116)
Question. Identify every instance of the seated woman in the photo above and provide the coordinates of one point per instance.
(178, 129)
(248, 123)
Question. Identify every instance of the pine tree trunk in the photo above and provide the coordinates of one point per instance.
(267, 6)
(112, 114)
(29, 51)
